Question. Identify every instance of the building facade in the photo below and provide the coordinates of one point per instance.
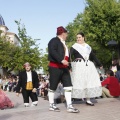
(10, 36)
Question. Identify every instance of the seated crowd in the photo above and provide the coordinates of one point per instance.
(9, 83)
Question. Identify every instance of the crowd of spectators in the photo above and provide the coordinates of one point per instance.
(10, 83)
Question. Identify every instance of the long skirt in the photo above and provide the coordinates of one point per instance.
(85, 80)
(5, 102)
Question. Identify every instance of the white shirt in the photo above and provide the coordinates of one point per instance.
(66, 51)
(29, 76)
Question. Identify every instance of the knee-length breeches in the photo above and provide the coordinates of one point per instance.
(59, 75)
(28, 93)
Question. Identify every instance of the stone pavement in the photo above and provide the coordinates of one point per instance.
(104, 109)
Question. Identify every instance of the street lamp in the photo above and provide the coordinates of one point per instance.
(113, 45)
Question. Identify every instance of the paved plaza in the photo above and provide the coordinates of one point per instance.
(104, 109)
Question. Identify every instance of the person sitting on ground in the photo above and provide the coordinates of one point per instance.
(118, 76)
(14, 83)
(10, 84)
(101, 77)
(110, 85)
(59, 94)
(44, 90)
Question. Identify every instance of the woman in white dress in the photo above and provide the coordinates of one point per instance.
(84, 75)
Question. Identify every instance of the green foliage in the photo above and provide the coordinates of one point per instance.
(28, 50)
(45, 62)
(100, 22)
(13, 57)
(104, 20)
(7, 52)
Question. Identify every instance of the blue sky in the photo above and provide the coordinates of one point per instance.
(41, 17)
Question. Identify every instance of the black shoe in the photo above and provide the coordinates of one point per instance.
(91, 104)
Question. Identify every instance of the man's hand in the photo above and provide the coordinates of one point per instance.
(65, 62)
(34, 90)
(17, 94)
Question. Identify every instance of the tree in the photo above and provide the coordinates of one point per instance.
(28, 50)
(7, 52)
(45, 62)
(13, 57)
(100, 22)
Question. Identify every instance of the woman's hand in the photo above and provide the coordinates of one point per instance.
(17, 94)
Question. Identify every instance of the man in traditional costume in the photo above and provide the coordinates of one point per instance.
(28, 81)
(58, 68)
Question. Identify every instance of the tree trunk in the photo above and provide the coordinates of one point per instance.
(5, 74)
(10, 70)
